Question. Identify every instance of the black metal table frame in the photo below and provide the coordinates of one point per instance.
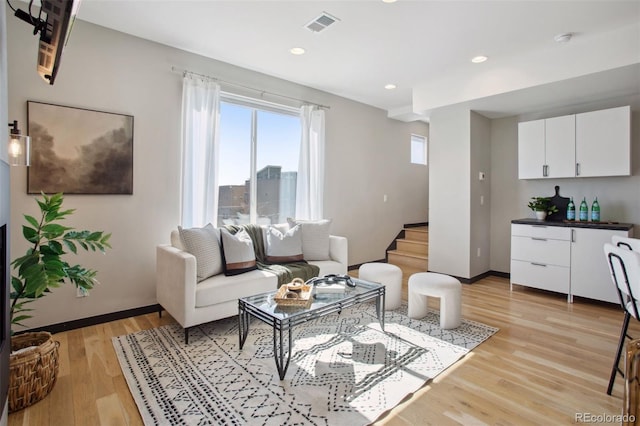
(246, 310)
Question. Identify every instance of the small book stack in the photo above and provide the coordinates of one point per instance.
(329, 288)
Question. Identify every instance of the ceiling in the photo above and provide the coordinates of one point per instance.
(423, 47)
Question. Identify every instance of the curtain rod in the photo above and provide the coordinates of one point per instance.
(184, 72)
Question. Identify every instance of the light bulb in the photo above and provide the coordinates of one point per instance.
(14, 148)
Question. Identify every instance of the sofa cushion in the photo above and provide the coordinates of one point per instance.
(220, 288)
(204, 244)
(315, 238)
(238, 252)
(283, 247)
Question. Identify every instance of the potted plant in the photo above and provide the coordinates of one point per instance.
(542, 206)
(33, 364)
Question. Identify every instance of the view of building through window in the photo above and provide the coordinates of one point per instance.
(274, 138)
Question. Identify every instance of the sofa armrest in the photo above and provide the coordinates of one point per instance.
(339, 250)
(176, 282)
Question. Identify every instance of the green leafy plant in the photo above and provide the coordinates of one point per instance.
(542, 204)
(42, 267)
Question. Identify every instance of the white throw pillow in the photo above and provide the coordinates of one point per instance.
(315, 238)
(204, 244)
(283, 247)
(239, 255)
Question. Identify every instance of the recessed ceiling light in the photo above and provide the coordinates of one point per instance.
(389, 1)
(390, 86)
(479, 59)
(297, 51)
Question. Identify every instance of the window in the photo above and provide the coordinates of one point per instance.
(259, 154)
(418, 149)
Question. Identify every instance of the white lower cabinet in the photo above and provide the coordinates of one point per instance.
(541, 257)
(589, 271)
(563, 259)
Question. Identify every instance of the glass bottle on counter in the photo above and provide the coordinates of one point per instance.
(571, 210)
(584, 210)
(595, 211)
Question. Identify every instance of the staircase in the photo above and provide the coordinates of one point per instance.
(411, 253)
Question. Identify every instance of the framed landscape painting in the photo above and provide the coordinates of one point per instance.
(79, 151)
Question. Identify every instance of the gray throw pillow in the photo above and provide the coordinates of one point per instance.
(283, 247)
(204, 244)
(315, 238)
(239, 255)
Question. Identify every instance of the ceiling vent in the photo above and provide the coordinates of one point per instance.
(321, 22)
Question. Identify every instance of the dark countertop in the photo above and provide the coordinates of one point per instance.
(614, 226)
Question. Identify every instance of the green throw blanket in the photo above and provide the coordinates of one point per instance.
(285, 273)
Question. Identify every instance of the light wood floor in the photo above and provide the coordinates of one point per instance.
(549, 361)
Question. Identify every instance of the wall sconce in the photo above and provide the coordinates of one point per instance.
(19, 146)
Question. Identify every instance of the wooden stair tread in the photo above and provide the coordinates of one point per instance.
(422, 229)
(417, 242)
(408, 254)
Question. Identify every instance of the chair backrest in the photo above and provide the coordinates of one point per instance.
(624, 266)
(626, 242)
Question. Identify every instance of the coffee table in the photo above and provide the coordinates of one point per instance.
(284, 318)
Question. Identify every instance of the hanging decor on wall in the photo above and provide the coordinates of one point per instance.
(79, 151)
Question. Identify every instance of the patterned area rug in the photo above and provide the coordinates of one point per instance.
(344, 370)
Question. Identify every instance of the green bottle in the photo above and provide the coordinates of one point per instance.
(571, 210)
(584, 210)
(595, 211)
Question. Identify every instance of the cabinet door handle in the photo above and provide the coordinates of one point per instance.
(538, 239)
(539, 264)
(539, 226)
(577, 169)
(573, 235)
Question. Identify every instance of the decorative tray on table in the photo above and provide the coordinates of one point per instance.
(296, 293)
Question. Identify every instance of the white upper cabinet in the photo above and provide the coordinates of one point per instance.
(603, 143)
(546, 148)
(531, 149)
(560, 146)
(595, 143)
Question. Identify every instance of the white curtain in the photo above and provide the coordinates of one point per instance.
(200, 117)
(310, 180)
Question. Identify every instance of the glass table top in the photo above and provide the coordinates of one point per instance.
(265, 301)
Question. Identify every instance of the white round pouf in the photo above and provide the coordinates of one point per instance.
(388, 275)
(448, 289)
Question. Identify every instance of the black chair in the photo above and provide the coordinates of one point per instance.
(624, 266)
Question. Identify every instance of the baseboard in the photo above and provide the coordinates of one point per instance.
(98, 319)
(358, 265)
(489, 273)
(416, 225)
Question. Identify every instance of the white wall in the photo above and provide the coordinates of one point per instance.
(480, 214)
(619, 197)
(449, 189)
(368, 155)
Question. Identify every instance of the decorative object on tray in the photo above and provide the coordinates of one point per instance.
(542, 206)
(296, 293)
(331, 283)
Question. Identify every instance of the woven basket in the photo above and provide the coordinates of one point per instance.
(32, 373)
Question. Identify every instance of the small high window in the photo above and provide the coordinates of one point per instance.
(418, 149)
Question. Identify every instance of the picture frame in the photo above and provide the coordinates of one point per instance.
(79, 151)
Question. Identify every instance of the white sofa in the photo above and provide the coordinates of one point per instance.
(192, 303)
